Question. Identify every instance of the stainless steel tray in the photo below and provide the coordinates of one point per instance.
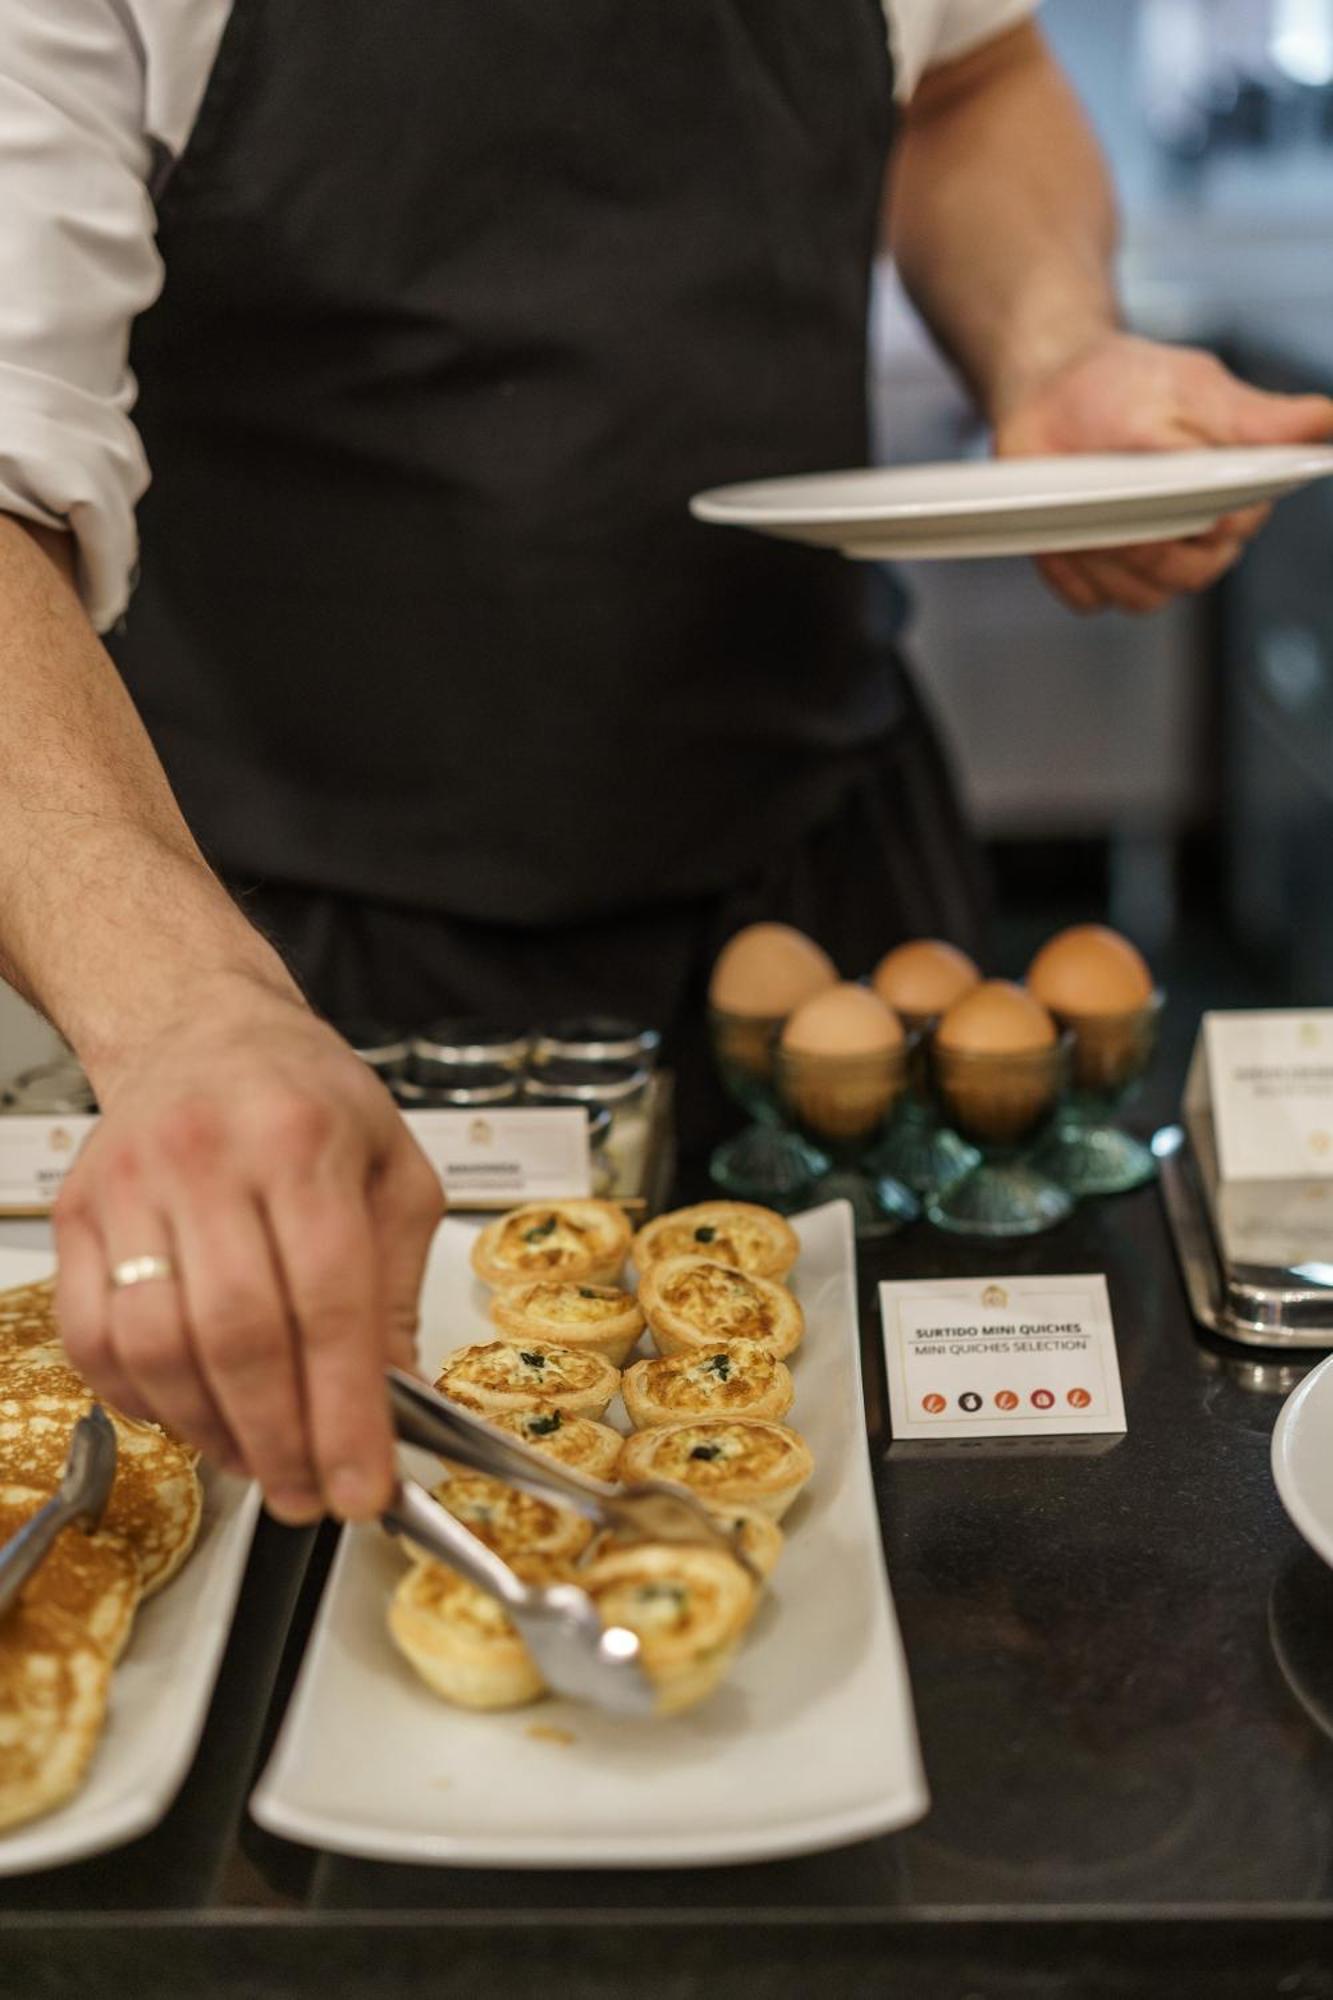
(1258, 1305)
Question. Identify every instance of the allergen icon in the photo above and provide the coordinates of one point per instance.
(932, 1405)
(1006, 1399)
(1078, 1399)
(969, 1401)
(1042, 1399)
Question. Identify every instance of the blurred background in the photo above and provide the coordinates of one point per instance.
(1174, 775)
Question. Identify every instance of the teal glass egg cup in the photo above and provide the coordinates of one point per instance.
(767, 1162)
(918, 1148)
(841, 1105)
(1001, 1104)
(1086, 1149)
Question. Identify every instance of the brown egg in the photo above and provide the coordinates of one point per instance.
(1090, 970)
(767, 970)
(996, 1017)
(923, 978)
(842, 1063)
(845, 1021)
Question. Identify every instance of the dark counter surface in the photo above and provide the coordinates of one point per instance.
(1122, 1656)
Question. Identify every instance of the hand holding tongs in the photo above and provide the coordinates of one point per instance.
(559, 1624)
(81, 1496)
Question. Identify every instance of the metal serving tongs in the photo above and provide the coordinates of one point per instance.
(576, 1654)
(81, 1496)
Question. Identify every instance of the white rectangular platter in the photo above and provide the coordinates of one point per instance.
(812, 1741)
(163, 1682)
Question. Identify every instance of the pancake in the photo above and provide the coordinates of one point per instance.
(156, 1500)
(694, 1302)
(28, 1315)
(38, 1371)
(733, 1378)
(578, 1442)
(94, 1578)
(739, 1233)
(586, 1241)
(54, 1680)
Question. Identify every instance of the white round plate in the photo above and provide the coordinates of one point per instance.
(1015, 506)
(1303, 1458)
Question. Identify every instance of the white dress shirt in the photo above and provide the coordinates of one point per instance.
(88, 90)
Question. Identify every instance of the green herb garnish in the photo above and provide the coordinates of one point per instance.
(544, 1427)
(539, 1230)
(532, 1360)
(719, 1365)
(705, 1233)
(587, 1292)
(706, 1451)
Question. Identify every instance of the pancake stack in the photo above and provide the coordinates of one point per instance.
(706, 1411)
(59, 1643)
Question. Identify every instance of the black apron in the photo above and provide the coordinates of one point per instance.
(462, 303)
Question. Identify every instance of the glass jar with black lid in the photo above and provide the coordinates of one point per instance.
(461, 1087)
(466, 1042)
(386, 1049)
(606, 1040)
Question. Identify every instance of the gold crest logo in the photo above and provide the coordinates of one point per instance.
(479, 1133)
(995, 1295)
(60, 1140)
(1321, 1144)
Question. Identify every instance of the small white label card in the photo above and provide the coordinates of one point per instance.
(1270, 1079)
(494, 1159)
(1001, 1357)
(36, 1153)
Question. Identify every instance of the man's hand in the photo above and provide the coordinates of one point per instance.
(1125, 394)
(252, 1149)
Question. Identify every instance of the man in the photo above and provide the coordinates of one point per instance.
(461, 304)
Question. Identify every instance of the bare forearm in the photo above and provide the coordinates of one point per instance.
(1003, 219)
(110, 920)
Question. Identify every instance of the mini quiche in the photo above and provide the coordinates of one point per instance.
(733, 1378)
(510, 1522)
(692, 1304)
(738, 1233)
(727, 1461)
(460, 1639)
(586, 1241)
(689, 1606)
(758, 1538)
(574, 1441)
(601, 1318)
(514, 1374)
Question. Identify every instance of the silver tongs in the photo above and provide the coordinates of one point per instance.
(559, 1623)
(81, 1496)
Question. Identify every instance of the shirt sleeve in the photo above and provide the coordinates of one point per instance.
(77, 263)
(924, 32)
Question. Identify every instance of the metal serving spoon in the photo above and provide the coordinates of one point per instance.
(81, 1496)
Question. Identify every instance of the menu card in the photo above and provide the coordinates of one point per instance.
(495, 1159)
(1001, 1357)
(1270, 1082)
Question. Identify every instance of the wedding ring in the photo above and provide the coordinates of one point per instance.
(139, 1270)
